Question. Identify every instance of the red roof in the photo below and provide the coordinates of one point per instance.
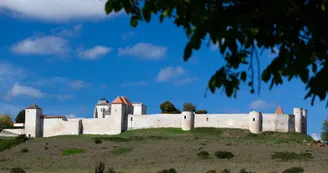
(279, 110)
(122, 100)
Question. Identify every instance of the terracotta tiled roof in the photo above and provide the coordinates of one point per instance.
(122, 100)
(126, 100)
(118, 100)
(34, 106)
(279, 110)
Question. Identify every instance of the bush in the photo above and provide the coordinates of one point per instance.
(224, 155)
(171, 170)
(211, 171)
(100, 168)
(244, 171)
(203, 154)
(225, 171)
(24, 150)
(201, 112)
(16, 170)
(8, 143)
(294, 170)
(46, 148)
(98, 141)
(286, 156)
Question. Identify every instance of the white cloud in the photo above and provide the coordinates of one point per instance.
(127, 36)
(260, 104)
(78, 84)
(144, 50)
(185, 81)
(57, 10)
(170, 73)
(94, 53)
(70, 116)
(315, 136)
(10, 109)
(64, 32)
(9, 73)
(21, 90)
(42, 45)
(142, 83)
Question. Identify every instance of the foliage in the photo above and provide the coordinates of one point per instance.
(98, 141)
(24, 150)
(324, 133)
(203, 154)
(11, 142)
(223, 154)
(100, 168)
(5, 121)
(121, 150)
(189, 107)
(287, 156)
(16, 170)
(211, 171)
(296, 28)
(225, 171)
(294, 170)
(171, 170)
(20, 118)
(72, 151)
(201, 112)
(168, 107)
(244, 171)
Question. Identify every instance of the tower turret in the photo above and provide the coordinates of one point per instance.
(33, 115)
(298, 119)
(188, 120)
(255, 121)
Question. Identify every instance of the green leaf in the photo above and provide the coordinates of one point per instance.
(243, 76)
(166, 12)
(146, 14)
(108, 7)
(187, 52)
(134, 21)
(117, 6)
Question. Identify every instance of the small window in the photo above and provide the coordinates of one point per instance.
(131, 118)
(29, 135)
(253, 119)
(206, 119)
(185, 117)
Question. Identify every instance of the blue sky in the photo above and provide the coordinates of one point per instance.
(66, 55)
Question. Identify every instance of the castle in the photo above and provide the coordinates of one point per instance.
(121, 115)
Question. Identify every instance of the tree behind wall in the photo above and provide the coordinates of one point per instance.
(169, 108)
(5, 121)
(189, 107)
(20, 118)
(324, 133)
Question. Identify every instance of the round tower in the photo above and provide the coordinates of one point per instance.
(298, 119)
(304, 121)
(188, 120)
(255, 120)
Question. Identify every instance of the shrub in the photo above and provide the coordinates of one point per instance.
(201, 112)
(225, 171)
(72, 151)
(171, 170)
(16, 170)
(98, 141)
(46, 148)
(294, 170)
(286, 156)
(24, 150)
(223, 155)
(244, 171)
(100, 168)
(8, 143)
(203, 154)
(211, 171)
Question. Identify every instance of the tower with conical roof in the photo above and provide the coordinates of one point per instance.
(33, 121)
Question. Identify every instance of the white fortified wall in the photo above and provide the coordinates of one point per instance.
(12, 132)
(57, 126)
(154, 121)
